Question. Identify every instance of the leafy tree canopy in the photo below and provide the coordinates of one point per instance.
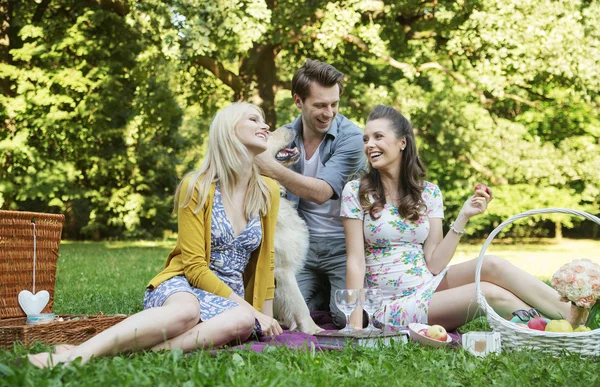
(106, 104)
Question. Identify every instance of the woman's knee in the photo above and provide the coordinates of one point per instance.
(185, 315)
(493, 266)
(496, 295)
(240, 325)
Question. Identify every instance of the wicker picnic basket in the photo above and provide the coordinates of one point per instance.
(23, 236)
(516, 337)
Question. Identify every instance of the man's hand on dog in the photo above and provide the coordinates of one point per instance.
(266, 163)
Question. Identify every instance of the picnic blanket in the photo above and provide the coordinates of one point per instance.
(303, 340)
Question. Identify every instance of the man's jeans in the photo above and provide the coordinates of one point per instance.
(324, 269)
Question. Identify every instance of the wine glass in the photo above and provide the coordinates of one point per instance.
(347, 300)
(371, 300)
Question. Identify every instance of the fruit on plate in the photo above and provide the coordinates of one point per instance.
(582, 328)
(537, 323)
(559, 326)
(483, 187)
(437, 332)
(423, 332)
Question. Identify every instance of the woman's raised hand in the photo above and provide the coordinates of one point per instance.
(477, 204)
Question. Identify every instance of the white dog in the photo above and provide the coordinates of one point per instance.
(291, 245)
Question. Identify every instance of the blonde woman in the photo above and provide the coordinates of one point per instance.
(218, 283)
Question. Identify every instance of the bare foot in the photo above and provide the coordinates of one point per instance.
(41, 360)
(48, 360)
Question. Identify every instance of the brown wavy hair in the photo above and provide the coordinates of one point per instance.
(412, 171)
(315, 71)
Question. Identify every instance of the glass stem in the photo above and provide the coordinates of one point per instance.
(348, 327)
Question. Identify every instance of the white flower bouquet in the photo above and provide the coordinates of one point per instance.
(578, 282)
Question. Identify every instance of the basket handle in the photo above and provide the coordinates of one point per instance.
(522, 215)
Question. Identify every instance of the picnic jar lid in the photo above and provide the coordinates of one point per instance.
(43, 318)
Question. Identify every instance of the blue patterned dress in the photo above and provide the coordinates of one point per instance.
(229, 256)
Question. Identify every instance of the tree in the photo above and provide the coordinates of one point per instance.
(91, 123)
(501, 92)
(106, 103)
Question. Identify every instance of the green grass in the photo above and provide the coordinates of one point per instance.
(110, 277)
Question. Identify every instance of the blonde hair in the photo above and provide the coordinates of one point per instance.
(226, 156)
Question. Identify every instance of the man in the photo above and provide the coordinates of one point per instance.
(332, 152)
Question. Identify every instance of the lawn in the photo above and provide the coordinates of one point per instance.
(110, 277)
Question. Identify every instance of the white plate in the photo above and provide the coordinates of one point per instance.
(413, 332)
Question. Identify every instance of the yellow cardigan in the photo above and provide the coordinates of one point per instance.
(191, 256)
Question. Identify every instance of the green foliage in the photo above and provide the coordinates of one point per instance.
(103, 110)
(93, 128)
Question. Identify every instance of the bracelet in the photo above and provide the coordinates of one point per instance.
(456, 231)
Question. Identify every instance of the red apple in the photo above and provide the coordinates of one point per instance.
(437, 332)
(537, 323)
(483, 187)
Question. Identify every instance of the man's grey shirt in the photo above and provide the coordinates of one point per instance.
(342, 156)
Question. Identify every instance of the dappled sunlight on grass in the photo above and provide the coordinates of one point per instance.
(541, 260)
(120, 244)
(106, 276)
(110, 277)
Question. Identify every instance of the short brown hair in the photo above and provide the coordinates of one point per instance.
(315, 71)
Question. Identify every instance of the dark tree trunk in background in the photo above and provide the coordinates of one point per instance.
(558, 235)
(259, 77)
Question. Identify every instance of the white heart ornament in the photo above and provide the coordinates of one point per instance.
(33, 303)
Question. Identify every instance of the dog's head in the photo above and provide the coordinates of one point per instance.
(278, 145)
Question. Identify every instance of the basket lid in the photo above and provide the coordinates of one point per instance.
(19, 232)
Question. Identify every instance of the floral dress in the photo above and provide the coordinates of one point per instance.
(229, 256)
(394, 257)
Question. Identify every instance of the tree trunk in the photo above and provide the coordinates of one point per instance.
(259, 77)
(266, 78)
(558, 235)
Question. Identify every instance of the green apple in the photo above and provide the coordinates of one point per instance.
(582, 328)
(559, 326)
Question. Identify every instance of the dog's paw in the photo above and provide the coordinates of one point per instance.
(309, 327)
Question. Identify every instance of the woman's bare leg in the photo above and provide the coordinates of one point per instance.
(60, 348)
(506, 275)
(454, 307)
(179, 313)
(233, 324)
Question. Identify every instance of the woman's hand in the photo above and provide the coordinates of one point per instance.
(476, 204)
(268, 324)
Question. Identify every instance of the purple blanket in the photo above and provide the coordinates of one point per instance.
(304, 340)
